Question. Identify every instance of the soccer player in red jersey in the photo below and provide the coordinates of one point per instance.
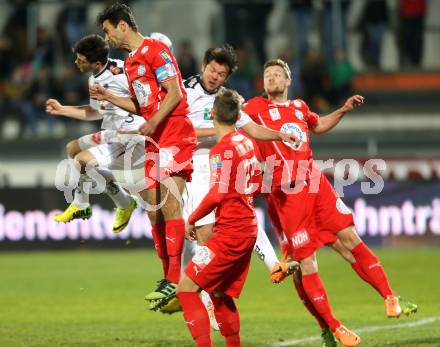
(310, 211)
(157, 93)
(221, 265)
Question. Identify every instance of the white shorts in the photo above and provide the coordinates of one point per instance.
(113, 151)
(196, 190)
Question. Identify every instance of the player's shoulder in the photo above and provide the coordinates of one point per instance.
(255, 105)
(192, 82)
(115, 66)
(299, 103)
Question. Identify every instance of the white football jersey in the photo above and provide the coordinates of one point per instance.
(112, 78)
(200, 103)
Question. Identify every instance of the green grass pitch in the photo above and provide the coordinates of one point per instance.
(95, 298)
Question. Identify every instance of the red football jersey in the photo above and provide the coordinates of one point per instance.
(148, 66)
(289, 163)
(234, 179)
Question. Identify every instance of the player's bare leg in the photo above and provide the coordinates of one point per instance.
(372, 269)
(72, 149)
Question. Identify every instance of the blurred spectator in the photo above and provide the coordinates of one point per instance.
(303, 15)
(44, 52)
(71, 26)
(187, 62)
(247, 21)
(373, 25)
(411, 26)
(33, 104)
(341, 74)
(315, 79)
(14, 40)
(243, 79)
(335, 27)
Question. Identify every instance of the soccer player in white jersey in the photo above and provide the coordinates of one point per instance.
(105, 150)
(218, 64)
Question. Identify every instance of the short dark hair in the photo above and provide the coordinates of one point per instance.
(281, 63)
(222, 55)
(227, 106)
(93, 47)
(117, 12)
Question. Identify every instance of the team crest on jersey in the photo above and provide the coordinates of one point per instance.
(203, 256)
(293, 128)
(299, 114)
(115, 70)
(274, 113)
(216, 161)
(141, 70)
(165, 56)
(144, 49)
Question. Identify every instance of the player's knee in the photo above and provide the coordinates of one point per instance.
(343, 251)
(309, 265)
(349, 237)
(152, 216)
(72, 149)
(82, 160)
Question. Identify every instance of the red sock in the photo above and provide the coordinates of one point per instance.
(175, 235)
(228, 319)
(158, 232)
(315, 291)
(371, 266)
(356, 267)
(308, 304)
(196, 318)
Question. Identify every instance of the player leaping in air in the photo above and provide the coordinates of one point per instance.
(105, 150)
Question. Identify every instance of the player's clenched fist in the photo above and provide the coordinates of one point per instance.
(98, 92)
(190, 232)
(53, 107)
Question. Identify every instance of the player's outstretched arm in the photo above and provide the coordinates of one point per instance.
(329, 121)
(265, 134)
(98, 92)
(83, 112)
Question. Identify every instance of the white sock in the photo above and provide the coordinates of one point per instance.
(81, 199)
(264, 249)
(113, 190)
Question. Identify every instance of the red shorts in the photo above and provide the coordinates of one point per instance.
(311, 218)
(169, 150)
(222, 264)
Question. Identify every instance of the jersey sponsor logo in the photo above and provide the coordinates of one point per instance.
(97, 137)
(216, 161)
(144, 49)
(203, 257)
(299, 114)
(274, 113)
(142, 92)
(165, 56)
(207, 114)
(293, 128)
(342, 207)
(300, 238)
(115, 70)
(141, 70)
(165, 71)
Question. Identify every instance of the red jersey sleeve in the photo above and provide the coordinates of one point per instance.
(162, 62)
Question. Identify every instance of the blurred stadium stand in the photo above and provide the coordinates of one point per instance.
(400, 121)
